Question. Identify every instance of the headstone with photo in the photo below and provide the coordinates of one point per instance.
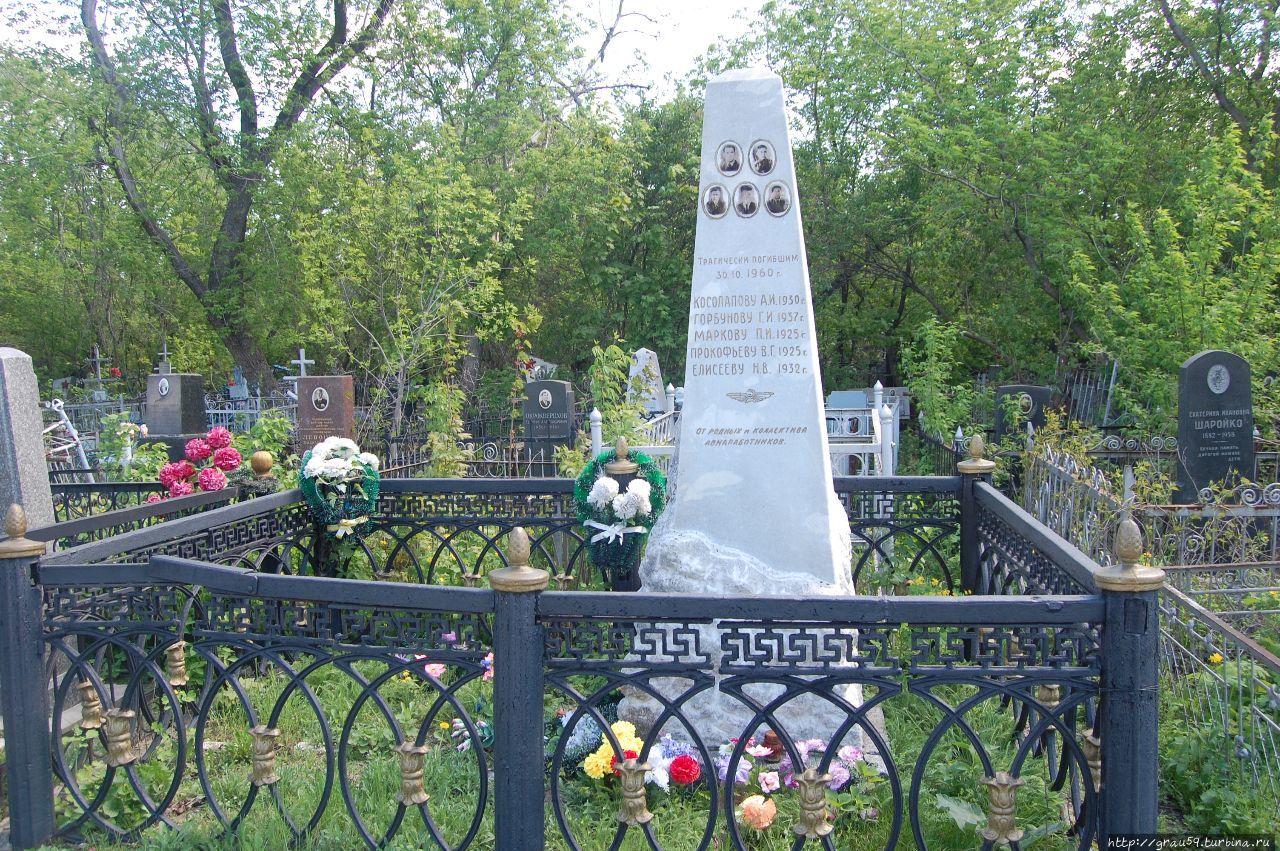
(175, 406)
(326, 408)
(548, 423)
(1031, 399)
(644, 382)
(1215, 422)
(24, 476)
(754, 511)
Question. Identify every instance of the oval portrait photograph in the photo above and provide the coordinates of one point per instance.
(320, 399)
(777, 198)
(729, 158)
(762, 157)
(746, 200)
(715, 201)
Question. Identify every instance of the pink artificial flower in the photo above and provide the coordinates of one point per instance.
(758, 812)
(181, 489)
(850, 754)
(758, 751)
(185, 470)
(212, 479)
(198, 449)
(218, 438)
(226, 458)
(435, 669)
(487, 664)
(155, 497)
(769, 781)
(169, 474)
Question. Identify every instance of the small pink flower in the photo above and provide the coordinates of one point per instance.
(212, 479)
(226, 458)
(487, 664)
(850, 754)
(435, 669)
(181, 489)
(155, 497)
(449, 637)
(769, 781)
(198, 449)
(758, 751)
(218, 438)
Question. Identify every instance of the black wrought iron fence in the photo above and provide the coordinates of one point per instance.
(74, 500)
(281, 707)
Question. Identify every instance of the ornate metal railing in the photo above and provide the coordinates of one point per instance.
(72, 501)
(446, 531)
(110, 524)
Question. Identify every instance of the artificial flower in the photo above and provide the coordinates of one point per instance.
(198, 449)
(603, 492)
(758, 812)
(850, 754)
(212, 479)
(487, 664)
(597, 765)
(218, 438)
(435, 669)
(685, 770)
(226, 458)
(758, 751)
(741, 772)
(155, 497)
(769, 781)
(181, 489)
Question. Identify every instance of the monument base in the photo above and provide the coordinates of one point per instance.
(688, 562)
(175, 444)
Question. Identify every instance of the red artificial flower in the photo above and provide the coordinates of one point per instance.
(114, 372)
(218, 438)
(198, 449)
(212, 479)
(626, 755)
(685, 770)
(155, 497)
(181, 489)
(226, 458)
(185, 469)
(169, 474)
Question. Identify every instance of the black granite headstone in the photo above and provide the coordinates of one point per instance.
(1032, 400)
(1215, 422)
(548, 413)
(175, 404)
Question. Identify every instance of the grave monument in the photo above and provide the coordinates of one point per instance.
(753, 510)
(326, 408)
(548, 422)
(1032, 400)
(644, 382)
(1215, 422)
(24, 476)
(175, 406)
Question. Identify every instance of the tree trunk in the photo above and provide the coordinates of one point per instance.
(247, 353)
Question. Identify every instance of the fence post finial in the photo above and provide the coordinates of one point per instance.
(1127, 574)
(976, 464)
(17, 545)
(520, 576)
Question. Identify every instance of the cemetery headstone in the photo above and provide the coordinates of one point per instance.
(175, 407)
(326, 408)
(98, 393)
(24, 476)
(1032, 400)
(1215, 422)
(548, 422)
(754, 511)
(644, 382)
(238, 387)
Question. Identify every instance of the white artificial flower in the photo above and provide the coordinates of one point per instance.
(346, 448)
(603, 492)
(642, 504)
(624, 506)
(640, 488)
(368, 458)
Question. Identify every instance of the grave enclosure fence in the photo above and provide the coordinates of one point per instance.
(207, 667)
(1220, 685)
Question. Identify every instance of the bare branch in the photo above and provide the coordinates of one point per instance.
(230, 51)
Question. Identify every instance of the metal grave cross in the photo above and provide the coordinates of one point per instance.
(164, 367)
(98, 360)
(302, 362)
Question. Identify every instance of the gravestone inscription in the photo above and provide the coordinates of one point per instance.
(1031, 401)
(1215, 422)
(548, 412)
(326, 408)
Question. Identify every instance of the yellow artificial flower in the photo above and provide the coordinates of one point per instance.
(1215, 658)
(444, 725)
(598, 764)
(623, 729)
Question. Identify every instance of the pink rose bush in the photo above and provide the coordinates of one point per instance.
(183, 478)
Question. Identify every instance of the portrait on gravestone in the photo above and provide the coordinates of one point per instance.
(746, 200)
(730, 159)
(320, 399)
(762, 158)
(162, 387)
(715, 201)
(777, 200)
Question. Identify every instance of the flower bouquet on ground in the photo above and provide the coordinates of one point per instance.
(618, 497)
(340, 486)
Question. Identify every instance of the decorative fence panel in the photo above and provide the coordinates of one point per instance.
(198, 694)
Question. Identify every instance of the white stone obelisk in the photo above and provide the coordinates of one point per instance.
(754, 511)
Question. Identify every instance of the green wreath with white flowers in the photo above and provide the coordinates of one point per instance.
(615, 513)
